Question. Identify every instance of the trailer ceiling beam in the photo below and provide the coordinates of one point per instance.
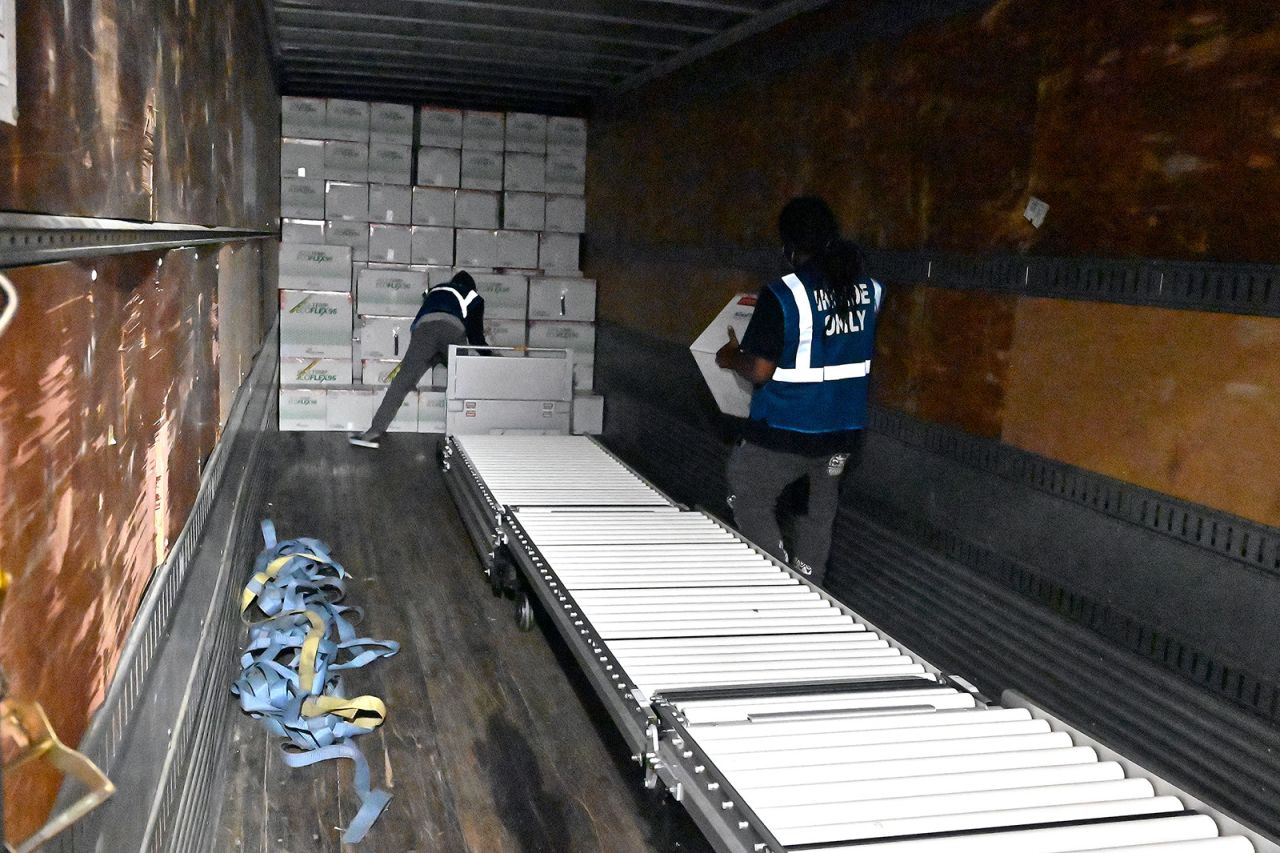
(598, 49)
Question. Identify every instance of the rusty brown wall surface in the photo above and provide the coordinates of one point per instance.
(162, 111)
(1151, 129)
(1185, 403)
(108, 409)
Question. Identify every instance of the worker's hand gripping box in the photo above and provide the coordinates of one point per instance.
(732, 393)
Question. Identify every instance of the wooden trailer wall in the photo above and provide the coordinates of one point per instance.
(1151, 129)
(118, 371)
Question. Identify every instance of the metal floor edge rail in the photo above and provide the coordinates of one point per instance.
(640, 567)
(156, 689)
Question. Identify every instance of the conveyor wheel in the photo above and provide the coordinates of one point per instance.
(503, 575)
(524, 612)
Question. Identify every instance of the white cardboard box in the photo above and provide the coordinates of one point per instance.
(732, 393)
(483, 131)
(565, 175)
(302, 117)
(302, 231)
(567, 136)
(476, 248)
(558, 252)
(313, 266)
(481, 170)
(562, 299)
(518, 250)
(391, 244)
(526, 132)
(566, 214)
(431, 411)
(584, 373)
(504, 333)
(439, 167)
(579, 337)
(302, 198)
(506, 297)
(383, 337)
(314, 372)
(315, 324)
(378, 373)
(346, 161)
(346, 201)
(476, 209)
(440, 128)
(390, 204)
(390, 292)
(390, 164)
(433, 206)
(523, 211)
(525, 173)
(391, 123)
(354, 235)
(588, 414)
(301, 158)
(346, 120)
(431, 245)
(350, 409)
(304, 410)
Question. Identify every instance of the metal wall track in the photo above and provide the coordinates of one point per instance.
(1248, 542)
(1232, 288)
(27, 238)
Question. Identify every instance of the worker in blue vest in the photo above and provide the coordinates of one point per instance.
(808, 351)
(451, 313)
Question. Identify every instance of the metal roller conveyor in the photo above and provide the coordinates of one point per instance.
(779, 718)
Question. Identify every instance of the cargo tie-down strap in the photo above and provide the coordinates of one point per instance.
(290, 677)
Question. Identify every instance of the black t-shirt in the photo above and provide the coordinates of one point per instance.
(765, 338)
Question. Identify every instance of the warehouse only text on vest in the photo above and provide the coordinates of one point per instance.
(850, 321)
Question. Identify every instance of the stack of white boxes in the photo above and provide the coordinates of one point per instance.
(501, 195)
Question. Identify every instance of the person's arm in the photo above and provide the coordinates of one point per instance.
(756, 357)
(475, 326)
(752, 368)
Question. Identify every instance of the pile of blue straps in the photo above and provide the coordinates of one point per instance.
(301, 639)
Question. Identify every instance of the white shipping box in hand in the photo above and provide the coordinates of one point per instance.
(732, 393)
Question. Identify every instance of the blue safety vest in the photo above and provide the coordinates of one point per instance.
(821, 381)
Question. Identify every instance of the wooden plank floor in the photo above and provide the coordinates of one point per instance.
(493, 742)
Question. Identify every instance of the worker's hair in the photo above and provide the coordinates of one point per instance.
(462, 278)
(808, 227)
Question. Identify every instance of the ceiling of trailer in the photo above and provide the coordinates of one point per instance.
(505, 54)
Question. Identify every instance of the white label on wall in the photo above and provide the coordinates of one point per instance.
(1035, 212)
(8, 63)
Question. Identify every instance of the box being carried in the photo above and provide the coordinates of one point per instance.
(732, 393)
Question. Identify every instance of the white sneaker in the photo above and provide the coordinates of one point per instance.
(365, 439)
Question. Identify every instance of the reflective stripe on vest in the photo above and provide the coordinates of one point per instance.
(463, 302)
(802, 372)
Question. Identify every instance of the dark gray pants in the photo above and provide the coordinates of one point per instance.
(757, 477)
(428, 342)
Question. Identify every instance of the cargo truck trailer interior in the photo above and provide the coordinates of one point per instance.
(527, 619)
